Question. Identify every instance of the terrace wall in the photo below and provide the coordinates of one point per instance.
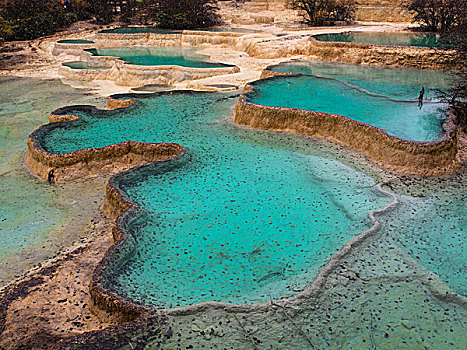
(409, 157)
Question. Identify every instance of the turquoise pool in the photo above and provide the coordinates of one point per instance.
(387, 39)
(396, 83)
(386, 98)
(432, 229)
(167, 56)
(390, 304)
(229, 221)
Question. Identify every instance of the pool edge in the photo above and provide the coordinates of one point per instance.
(425, 158)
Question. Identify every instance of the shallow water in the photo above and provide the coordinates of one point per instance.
(432, 229)
(167, 56)
(82, 65)
(397, 83)
(30, 209)
(373, 96)
(390, 304)
(230, 221)
(390, 39)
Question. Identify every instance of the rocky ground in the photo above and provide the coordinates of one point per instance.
(54, 304)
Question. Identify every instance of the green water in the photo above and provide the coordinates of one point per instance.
(139, 30)
(210, 230)
(20, 194)
(389, 306)
(387, 39)
(167, 56)
(373, 96)
(432, 229)
(82, 65)
(75, 41)
(230, 221)
(30, 209)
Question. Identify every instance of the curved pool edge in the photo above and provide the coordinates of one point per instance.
(116, 206)
(362, 54)
(385, 55)
(131, 75)
(83, 163)
(126, 74)
(424, 158)
(318, 281)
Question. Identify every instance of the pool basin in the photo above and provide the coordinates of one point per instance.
(429, 40)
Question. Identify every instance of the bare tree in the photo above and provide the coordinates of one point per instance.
(183, 14)
(438, 15)
(325, 12)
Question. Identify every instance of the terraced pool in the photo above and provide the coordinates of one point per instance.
(381, 38)
(229, 221)
(385, 98)
(156, 56)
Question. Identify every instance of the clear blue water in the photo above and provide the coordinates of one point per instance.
(231, 221)
(391, 305)
(75, 41)
(384, 98)
(172, 56)
(396, 83)
(390, 39)
(402, 119)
